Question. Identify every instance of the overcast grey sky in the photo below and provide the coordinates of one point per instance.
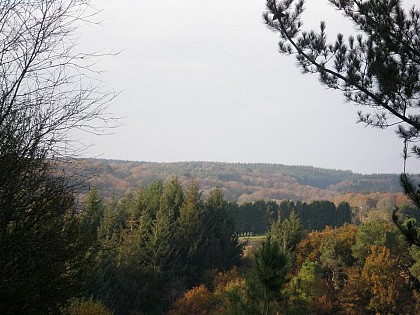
(203, 80)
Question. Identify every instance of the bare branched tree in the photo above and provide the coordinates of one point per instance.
(47, 89)
(46, 85)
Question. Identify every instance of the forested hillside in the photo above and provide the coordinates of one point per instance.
(242, 182)
(88, 236)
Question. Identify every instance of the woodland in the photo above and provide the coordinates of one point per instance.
(165, 249)
(245, 182)
(111, 237)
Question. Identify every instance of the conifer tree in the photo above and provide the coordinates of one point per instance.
(191, 235)
(287, 232)
(223, 248)
(172, 197)
(268, 274)
(378, 69)
(92, 215)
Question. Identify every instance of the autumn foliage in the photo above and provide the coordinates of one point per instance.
(329, 275)
(198, 300)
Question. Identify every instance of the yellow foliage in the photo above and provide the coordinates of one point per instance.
(223, 278)
(87, 307)
(199, 301)
(380, 273)
(378, 287)
(232, 292)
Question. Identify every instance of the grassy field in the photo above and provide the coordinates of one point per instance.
(251, 243)
(253, 238)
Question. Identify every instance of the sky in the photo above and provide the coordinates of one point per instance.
(204, 81)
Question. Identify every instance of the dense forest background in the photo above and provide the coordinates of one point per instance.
(245, 182)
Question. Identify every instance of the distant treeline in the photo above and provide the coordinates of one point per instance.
(255, 218)
(242, 182)
(305, 175)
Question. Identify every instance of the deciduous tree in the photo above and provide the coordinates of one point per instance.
(380, 285)
(198, 300)
(45, 92)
